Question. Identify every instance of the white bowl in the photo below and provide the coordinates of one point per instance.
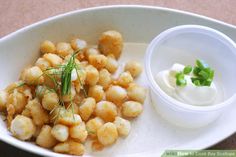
(184, 44)
(137, 24)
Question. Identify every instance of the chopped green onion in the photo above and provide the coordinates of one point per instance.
(202, 74)
(180, 80)
(188, 69)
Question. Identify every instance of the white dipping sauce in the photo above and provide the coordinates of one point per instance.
(189, 94)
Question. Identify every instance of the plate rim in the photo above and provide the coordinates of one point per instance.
(112, 7)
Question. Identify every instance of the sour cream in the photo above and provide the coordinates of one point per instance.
(189, 94)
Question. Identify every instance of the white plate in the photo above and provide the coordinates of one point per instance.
(150, 134)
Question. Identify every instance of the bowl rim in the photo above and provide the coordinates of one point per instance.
(155, 87)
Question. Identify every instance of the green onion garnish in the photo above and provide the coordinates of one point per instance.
(202, 74)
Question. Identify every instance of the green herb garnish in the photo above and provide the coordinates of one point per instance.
(188, 69)
(202, 74)
(180, 80)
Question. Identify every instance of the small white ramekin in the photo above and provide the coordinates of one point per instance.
(184, 44)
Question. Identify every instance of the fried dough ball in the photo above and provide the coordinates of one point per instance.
(87, 107)
(45, 138)
(104, 78)
(131, 109)
(50, 100)
(53, 59)
(125, 79)
(134, 68)
(60, 132)
(33, 76)
(96, 92)
(18, 100)
(92, 75)
(136, 93)
(70, 147)
(123, 126)
(79, 132)
(42, 63)
(47, 47)
(93, 125)
(39, 115)
(112, 64)
(22, 127)
(106, 110)
(78, 44)
(3, 100)
(91, 51)
(116, 94)
(97, 60)
(111, 42)
(107, 134)
(63, 49)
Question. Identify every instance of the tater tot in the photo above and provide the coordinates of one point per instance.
(123, 126)
(79, 132)
(42, 63)
(131, 109)
(107, 134)
(112, 64)
(33, 76)
(116, 94)
(98, 61)
(125, 79)
(86, 108)
(78, 44)
(60, 132)
(3, 100)
(18, 100)
(106, 110)
(134, 68)
(63, 49)
(93, 125)
(22, 127)
(45, 138)
(47, 47)
(39, 115)
(104, 78)
(53, 59)
(96, 92)
(136, 93)
(91, 51)
(50, 100)
(111, 42)
(92, 75)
